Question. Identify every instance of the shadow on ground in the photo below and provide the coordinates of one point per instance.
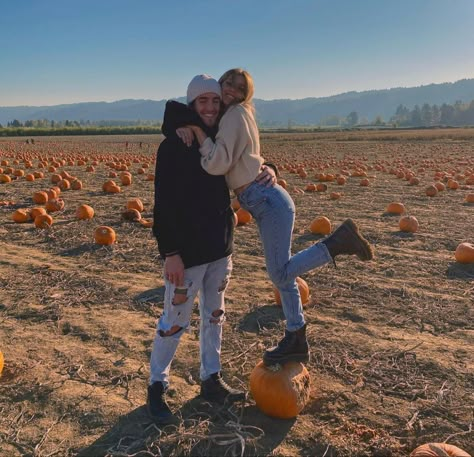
(202, 430)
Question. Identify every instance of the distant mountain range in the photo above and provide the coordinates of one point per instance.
(307, 111)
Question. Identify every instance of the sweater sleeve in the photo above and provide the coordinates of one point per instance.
(168, 226)
(233, 137)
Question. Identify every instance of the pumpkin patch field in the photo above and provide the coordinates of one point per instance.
(392, 339)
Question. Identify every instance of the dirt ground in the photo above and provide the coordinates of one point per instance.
(392, 339)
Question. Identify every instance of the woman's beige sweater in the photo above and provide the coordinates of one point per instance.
(236, 151)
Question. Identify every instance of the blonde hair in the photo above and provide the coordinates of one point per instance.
(249, 85)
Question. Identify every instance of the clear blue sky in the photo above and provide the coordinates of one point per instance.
(64, 51)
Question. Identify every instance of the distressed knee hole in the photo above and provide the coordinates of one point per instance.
(172, 331)
(216, 316)
(180, 296)
(224, 284)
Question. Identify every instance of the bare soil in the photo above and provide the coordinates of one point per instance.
(392, 339)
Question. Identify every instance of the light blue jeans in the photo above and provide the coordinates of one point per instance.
(274, 211)
(210, 280)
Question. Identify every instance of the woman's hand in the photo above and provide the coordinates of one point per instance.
(174, 270)
(267, 176)
(186, 134)
(200, 135)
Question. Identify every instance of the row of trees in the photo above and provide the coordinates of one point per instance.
(427, 115)
(458, 114)
(47, 124)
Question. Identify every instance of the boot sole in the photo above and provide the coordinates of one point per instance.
(295, 358)
(368, 252)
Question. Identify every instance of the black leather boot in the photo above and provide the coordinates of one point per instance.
(157, 406)
(292, 348)
(216, 389)
(346, 239)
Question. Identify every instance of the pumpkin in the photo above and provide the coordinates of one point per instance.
(85, 212)
(320, 226)
(464, 253)
(43, 221)
(395, 208)
(76, 184)
(438, 450)
(38, 210)
(56, 204)
(126, 178)
(40, 197)
(321, 187)
(21, 215)
(302, 287)
(280, 391)
(408, 224)
(243, 216)
(135, 203)
(341, 180)
(131, 214)
(104, 235)
(281, 182)
(364, 182)
(431, 190)
(30, 177)
(439, 186)
(470, 198)
(335, 195)
(64, 184)
(146, 223)
(5, 178)
(310, 187)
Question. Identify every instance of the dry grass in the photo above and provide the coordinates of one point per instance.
(392, 364)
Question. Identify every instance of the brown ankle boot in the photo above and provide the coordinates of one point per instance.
(346, 239)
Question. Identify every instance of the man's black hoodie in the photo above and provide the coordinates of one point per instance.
(192, 213)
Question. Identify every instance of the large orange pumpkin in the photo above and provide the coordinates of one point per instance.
(320, 226)
(302, 287)
(408, 224)
(465, 253)
(104, 235)
(280, 391)
(438, 450)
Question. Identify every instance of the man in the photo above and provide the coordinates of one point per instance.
(193, 224)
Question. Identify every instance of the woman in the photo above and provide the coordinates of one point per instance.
(235, 152)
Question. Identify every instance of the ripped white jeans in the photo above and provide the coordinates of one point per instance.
(210, 281)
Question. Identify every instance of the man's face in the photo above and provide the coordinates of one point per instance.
(207, 106)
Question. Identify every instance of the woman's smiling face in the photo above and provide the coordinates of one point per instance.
(233, 89)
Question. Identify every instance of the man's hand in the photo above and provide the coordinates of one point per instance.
(267, 176)
(174, 270)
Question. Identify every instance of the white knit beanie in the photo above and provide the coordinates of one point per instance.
(202, 84)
